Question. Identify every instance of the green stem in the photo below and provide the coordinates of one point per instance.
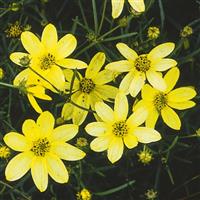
(8, 85)
(95, 16)
(103, 16)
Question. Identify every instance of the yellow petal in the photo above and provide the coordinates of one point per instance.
(16, 141)
(39, 92)
(156, 80)
(137, 84)
(34, 103)
(120, 66)
(127, 52)
(71, 63)
(65, 132)
(56, 169)
(30, 129)
(170, 117)
(67, 111)
(181, 94)
(117, 7)
(147, 135)
(126, 82)
(31, 43)
(171, 78)
(115, 149)
(137, 5)
(104, 112)
(103, 77)
(138, 117)
(66, 45)
(17, 56)
(96, 128)
(121, 107)
(39, 173)
(164, 64)
(101, 143)
(18, 166)
(130, 141)
(46, 122)
(67, 151)
(152, 118)
(181, 105)
(95, 65)
(49, 37)
(106, 91)
(161, 51)
(148, 93)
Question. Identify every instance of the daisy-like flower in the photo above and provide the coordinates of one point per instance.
(46, 56)
(41, 149)
(142, 67)
(117, 6)
(89, 89)
(27, 82)
(162, 103)
(116, 129)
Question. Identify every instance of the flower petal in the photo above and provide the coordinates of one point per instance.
(95, 65)
(117, 7)
(126, 51)
(96, 128)
(17, 56)
(16, 141)
(18, 166)
(39, 173)
(65, 132)
(170, 117)
(181, 105)
(126, 82)
(164, 64)
(137, 5)
(152, 118)
(56, 169)
(103, 77)
(71, 63)
(148, 93)
(121, 107)
(181, 94)
(161, 51)
(147, 135)
(34, 103)
(104, 112)
(106, 92)
(115, 149)
(137, 84)
(120, 66)
(156, 80)
(31, 43)
(49, 37)
(67, 151)
(46, 122)
(67, 111)
(130, 141)
(65, 46)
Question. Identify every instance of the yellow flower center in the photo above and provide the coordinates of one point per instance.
(47, 61)
(120, 128)
(142, 64)
(86, 85)
(160, 101)
(41, 147)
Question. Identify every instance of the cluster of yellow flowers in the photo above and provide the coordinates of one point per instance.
(47, 66)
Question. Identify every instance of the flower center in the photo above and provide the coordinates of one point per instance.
(142, 64)
(47, 61)
(40, 147)
(160, 101)
(86, 85)
(120, 128)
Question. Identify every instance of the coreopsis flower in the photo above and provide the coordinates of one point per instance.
(153, 32)
(88, 89)
(41, 149)
(145, 156)
(46, 56)
(14, 30)
(141, 67)
(117, 6)
(84, 194)
(4, 152)
(151, 194)
(162, 103)
(27, 83)
(116, 129)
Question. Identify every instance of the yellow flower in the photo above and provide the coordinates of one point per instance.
(28, 84)
(89, 89)
(4, 152)
(115, 129)
(46, 56)
(117, 6)
(145, 156)
(2, 73)
(81, 142)
(153, 32)
(14, 30)
(161, 103)
(41, 149)
(151, 194)
(84, 194)
(142, 67)
(186, 31)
